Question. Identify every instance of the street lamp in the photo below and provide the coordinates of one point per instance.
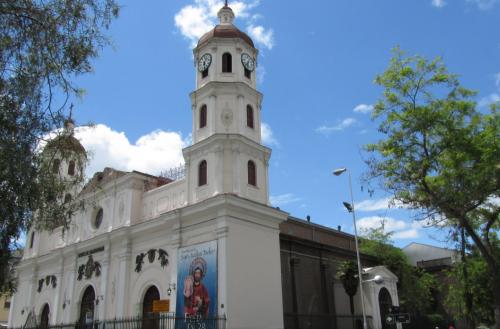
(350, 208)
(378, 279)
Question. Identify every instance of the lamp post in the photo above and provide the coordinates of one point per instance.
(350, 208)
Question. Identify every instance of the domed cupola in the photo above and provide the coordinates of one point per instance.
(65, 155)
(225, 29)
(66, 141)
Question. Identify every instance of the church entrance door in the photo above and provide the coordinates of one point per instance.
(384, 302)
(150, 320)
(44, 318)
(87, 308)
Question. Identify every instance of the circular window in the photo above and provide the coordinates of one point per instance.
(98, 218)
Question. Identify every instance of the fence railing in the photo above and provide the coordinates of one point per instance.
(325, 321)
(162, 321)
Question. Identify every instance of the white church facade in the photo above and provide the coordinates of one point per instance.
(207, 244)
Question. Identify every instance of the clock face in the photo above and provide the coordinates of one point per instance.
(204, 62)
(247, 62)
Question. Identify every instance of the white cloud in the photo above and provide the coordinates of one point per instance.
(151, 153)
(438, 3)
(379, 204)
(196, 19)
(400, 228)
(261, 73)
(373, 205)
(283, 199)
(390, 224)
(490, 99)
(261, 35)
(407, 234)
(483, 4)
(363, 108)
(193, 22)
(326, 130)
(266, 134)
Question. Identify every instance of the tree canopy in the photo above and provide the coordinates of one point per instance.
(44, 45)
(440, 154)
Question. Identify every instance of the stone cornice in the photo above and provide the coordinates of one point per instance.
(215, 139)
(225, 88)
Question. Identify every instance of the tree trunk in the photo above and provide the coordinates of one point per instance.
(469, 319)
(496, 307)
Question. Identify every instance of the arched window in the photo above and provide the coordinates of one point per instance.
(252, 173)
(55, 166)
(249, 116)
(202, 173)
(203, 116)
(87, 307)
(98, 218)
(67, 198)
(44, 317)
(148, 319)
(71, 168)
(227, 63)
(32, 239)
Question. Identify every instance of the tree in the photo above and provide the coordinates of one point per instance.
(469, 292)
(440, 155)
(414, 285)
(347, 273)
(44, 45)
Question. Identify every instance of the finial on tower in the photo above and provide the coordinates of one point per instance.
(226, 15)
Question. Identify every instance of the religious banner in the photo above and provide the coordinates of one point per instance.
(197, 282)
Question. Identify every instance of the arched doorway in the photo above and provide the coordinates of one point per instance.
(87, 307)
(44, 317)
(384, 302)
(149, 319)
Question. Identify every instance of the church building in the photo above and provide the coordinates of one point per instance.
(206, 245)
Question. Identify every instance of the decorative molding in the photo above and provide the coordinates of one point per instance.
(89, 269)
(151, 254)
(49, 279)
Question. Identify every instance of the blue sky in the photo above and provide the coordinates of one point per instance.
(316, 68)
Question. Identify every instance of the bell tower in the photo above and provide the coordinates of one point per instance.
(227, 155)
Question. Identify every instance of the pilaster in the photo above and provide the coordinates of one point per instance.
(221, 235)
(124, 269)
(60, 281)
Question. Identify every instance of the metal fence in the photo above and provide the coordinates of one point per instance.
(163, 321)
(325, 321)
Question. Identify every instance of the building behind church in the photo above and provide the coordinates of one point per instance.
(207, 244)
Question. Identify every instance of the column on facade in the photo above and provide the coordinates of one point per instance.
(31, 292)
(217, 179)
(123, 278)
(55, 318)
(212, 104)
(266, 178)
(174, 245)
(241, 113)
(70, 300)
(221, 234)
(104, 282)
